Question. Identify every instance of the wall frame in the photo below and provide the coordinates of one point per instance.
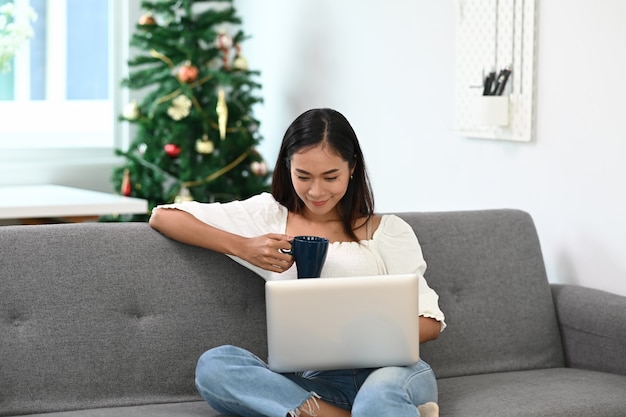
(495, 35)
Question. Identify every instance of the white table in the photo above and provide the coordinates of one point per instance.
(55, 201)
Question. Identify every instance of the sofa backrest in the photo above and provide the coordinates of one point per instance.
(488, 270)
(98, 314)
(101, 314)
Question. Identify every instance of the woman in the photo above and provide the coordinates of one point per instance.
(319, 187)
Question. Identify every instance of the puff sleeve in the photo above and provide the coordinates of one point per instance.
(255, 216)
(401, 253)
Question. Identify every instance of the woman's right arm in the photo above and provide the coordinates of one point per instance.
(184, 227)
(262, 251)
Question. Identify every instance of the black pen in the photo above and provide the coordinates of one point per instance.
(503, 77)
(488, 82)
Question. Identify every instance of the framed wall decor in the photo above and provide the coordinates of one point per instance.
(495, 69)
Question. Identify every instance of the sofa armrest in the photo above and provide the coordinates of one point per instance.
(593, 328)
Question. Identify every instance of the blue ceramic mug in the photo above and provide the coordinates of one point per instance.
(309, 253)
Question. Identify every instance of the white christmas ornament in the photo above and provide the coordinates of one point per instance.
(180, 107)
(131, 111)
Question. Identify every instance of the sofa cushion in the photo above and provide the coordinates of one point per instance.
(553, 392)
(115, 314)
(183, 409)
(488, 269)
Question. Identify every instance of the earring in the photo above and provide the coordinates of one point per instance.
(351, 177)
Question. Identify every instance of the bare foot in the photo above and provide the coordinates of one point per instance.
(429, 409)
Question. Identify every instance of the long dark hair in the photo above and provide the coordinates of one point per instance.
(309, 130)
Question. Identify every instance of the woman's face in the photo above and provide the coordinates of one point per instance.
(320, 178)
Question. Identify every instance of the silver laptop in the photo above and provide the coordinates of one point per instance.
(340, 323)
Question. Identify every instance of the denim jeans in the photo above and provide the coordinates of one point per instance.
(236, 382)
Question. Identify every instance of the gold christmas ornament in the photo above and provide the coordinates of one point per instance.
(222, 113)
(204, 145)
(183, 195)
(240, 62)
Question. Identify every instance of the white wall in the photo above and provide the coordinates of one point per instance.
(389, 67)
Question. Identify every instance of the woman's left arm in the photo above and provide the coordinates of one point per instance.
(429, 329)
(401, 253)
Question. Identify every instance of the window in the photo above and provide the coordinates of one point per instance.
(62, 88)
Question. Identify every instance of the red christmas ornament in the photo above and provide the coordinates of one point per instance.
(187, 73)
(147, 20)
(172, 150)
(126, 188)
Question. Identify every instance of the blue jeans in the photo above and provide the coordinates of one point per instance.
(236, 382)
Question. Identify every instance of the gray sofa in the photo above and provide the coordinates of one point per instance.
(101, 319)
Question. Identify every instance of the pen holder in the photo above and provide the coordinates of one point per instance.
(491, 111)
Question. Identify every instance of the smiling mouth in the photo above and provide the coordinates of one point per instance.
(318, 203)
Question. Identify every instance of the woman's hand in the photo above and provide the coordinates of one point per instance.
(265, 252)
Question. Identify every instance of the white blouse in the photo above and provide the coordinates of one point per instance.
(393, 248)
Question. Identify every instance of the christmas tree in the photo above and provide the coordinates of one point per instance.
(195, 131)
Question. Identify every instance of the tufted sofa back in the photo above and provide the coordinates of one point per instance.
(488, 270)
(96, 314)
